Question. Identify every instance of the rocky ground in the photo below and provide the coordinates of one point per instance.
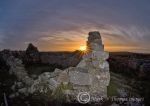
(119, 86)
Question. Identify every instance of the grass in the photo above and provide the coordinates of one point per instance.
(112, 89)
(59, 95)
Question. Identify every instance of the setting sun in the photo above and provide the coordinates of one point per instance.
(82, 48)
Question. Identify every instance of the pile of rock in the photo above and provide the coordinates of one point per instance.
(17, 68)
(32, 54)
(31, 49)
(90, 75)
(95, 68)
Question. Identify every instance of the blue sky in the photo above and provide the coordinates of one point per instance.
(63, 25)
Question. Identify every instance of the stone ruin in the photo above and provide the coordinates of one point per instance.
(93, 70)
(90, 75)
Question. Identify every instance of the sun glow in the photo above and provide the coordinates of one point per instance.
(83, 48)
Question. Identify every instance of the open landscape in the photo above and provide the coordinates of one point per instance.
(74, 53)
(129, 73)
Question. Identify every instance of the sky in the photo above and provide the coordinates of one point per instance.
(63, 25)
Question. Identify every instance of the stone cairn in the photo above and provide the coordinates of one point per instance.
(94, 61)
(90, 75)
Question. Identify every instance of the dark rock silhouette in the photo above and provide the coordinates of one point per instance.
(32, 54)
(31, 48)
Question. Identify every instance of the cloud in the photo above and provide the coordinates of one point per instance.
(115, 36)
(58, 24)
(131, 34)
(131, 38)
